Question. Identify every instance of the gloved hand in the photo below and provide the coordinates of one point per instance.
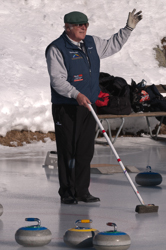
(133, 19)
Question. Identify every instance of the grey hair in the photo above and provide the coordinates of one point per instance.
(69, 26)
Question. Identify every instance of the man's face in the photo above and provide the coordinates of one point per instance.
(77, 32)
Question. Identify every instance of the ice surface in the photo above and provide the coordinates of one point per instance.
(27, 192)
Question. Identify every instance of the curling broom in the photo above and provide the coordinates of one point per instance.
(139, 208)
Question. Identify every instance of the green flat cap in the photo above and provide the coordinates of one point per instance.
(75, 17)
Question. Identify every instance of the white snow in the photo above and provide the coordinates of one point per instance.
(28, 26)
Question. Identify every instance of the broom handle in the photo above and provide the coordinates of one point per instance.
(116, 155)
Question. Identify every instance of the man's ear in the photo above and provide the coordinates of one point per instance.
(68, 27)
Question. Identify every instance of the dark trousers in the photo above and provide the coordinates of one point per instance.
(75, 133)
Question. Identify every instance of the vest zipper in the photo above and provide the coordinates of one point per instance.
(87, 60)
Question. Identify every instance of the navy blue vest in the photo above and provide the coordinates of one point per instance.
(83, 75)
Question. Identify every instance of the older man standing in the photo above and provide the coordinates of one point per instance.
(73, 62)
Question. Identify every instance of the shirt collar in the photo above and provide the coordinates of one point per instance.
(74, 42)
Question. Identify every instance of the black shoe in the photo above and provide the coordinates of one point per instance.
(69, 200)
(88, 198)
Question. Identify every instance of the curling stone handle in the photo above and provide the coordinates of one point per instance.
(82, 221)
(34, 219)
(112, 224)
(149, 168)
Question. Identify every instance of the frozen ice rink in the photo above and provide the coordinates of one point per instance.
(29, 190)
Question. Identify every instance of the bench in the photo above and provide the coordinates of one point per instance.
(147, 115)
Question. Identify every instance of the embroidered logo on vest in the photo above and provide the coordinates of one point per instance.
(78, 78)
(76, 56)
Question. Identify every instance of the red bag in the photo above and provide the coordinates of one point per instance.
(144, 96)
(103, 99)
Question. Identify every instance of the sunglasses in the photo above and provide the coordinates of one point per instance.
(81, 24)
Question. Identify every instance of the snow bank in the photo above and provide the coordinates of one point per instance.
(28, 26)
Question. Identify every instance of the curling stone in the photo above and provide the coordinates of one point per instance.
(34, 235)
(80, 236)
(148, 178)
(111, 240)
(1, 209)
